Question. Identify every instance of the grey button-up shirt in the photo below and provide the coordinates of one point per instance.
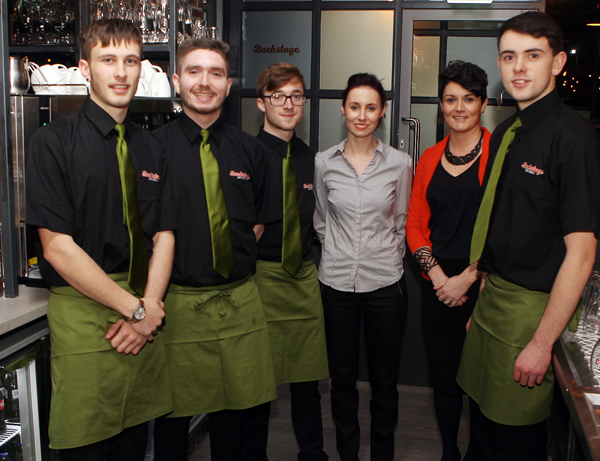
(360, 220)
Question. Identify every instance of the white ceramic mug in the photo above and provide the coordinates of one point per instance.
(79, 85)
(143, 89)
(160, 85)
(44, 77)
(148, 71)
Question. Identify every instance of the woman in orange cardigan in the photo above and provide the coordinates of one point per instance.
(441, 216)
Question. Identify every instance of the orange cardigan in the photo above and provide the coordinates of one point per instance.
(419, 213)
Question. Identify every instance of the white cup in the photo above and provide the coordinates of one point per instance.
(148, 71)
(44, 77)
(143, 89)
(160, 85)
(79, 85)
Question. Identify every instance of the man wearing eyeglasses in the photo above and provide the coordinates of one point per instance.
(286, 275)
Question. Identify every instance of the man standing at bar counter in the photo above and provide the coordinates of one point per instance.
(95, 195)
(216, 333)
(286, 274)
(541, 206)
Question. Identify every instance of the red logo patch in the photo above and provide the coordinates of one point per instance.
(239, 175)
(531, 169)
(150, 176)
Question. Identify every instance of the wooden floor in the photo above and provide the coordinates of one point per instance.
(417, 437)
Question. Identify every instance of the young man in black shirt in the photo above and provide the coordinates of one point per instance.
(538, 252)
(216, 333)
(290, 292)
(108, 371)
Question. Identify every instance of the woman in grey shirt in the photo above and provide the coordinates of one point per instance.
(362, 189)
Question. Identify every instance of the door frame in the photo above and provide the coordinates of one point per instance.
(406, 54)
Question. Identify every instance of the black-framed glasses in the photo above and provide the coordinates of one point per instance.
(279, 99)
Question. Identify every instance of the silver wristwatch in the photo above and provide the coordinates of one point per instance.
(139, 313)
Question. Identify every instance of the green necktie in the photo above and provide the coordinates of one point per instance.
(220, 235)
(485, 209)
(138, 253)
(291, 251)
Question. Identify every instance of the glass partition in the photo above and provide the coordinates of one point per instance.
(345, 52)
(269, 37)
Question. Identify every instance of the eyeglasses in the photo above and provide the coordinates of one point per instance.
(278, 99)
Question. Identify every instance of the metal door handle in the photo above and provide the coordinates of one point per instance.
(415, 153)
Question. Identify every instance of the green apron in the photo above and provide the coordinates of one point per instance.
(218, 348)
(294, 314)
(97, 392)
(504, 320)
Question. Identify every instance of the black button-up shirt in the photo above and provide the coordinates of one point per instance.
(74, 187)
(243, 169)
(303, 159)
(549, 187)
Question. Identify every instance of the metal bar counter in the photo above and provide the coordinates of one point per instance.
(581, 392)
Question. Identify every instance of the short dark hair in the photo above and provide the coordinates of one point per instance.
(107, 31)
(467, 75)
(277, 75)
(193, 44)
(537, 25)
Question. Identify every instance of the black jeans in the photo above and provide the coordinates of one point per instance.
(307, 420)
(491, 441)
(129, 445)
(382, 314)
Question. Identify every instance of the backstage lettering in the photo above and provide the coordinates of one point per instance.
(276, 49)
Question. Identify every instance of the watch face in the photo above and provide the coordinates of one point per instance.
(139, 313)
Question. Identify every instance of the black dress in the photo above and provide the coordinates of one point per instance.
(453, 203)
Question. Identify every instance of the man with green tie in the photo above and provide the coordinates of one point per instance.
(535, 239)
(95, 197)
(216, 333)
(286, 275)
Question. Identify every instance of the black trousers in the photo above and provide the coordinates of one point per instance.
(307, 420)
(235, 435)
(491, 441)
(129, 445)
(382, 314)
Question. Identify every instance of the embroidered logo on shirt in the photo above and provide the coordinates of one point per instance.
(308, 186)
(531, 169)
(151, 176)
(240, 175)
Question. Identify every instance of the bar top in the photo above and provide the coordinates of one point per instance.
(580, 390)
(30, 305)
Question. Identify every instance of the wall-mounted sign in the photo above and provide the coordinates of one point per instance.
(289, 50)
(269, 37)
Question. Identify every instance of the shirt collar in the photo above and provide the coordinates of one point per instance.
(192, 130)
(100, 118)
(275, 143)
(539, 109)
(339, 149)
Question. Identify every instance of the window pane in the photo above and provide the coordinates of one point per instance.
(494, 115)
(426, 66)
(269, 37)
(431, 25)
(332, 125)
(427, 115)
(252, 119)
(482, 51)
(475, 25)
(356, 41)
